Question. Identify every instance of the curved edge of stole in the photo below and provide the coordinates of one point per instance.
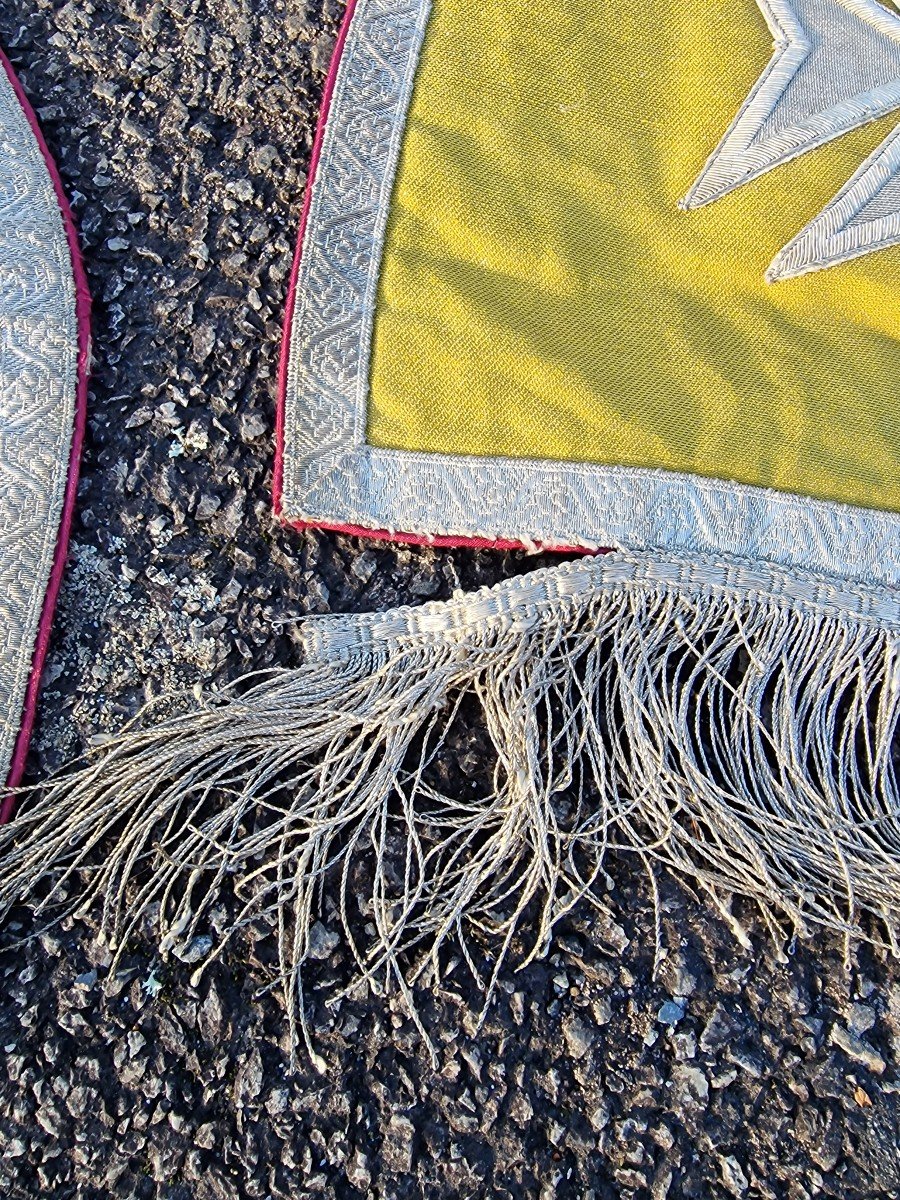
(56, 567)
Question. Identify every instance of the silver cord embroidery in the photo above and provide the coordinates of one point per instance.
(836, 66)
(864, 216)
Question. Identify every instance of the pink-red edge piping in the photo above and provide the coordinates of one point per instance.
(83, 312)
(414, 539)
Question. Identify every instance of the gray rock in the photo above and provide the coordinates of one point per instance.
(253, 426)
(579, 1035)
(521, 1110)
(196, 949)
(205, 1137)
(207, 506)
(717, 1031)
(662, 1182)
(209, 1016)
(733, 1177)
(322, 942)
(248, 1083)
(749, 1062)
(857, 1049)
(358, 1173)
(671, 1013)
(861, 1019)
(690, 1084)
(50, 1119)
(517, 1007)
(398, 1145)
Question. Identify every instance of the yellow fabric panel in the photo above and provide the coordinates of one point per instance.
(542, 295)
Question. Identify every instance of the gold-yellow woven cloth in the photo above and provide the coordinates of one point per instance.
(543, 296)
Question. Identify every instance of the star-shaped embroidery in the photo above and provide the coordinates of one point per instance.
(836, 66)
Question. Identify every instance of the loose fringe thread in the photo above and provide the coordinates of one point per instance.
(738, 728)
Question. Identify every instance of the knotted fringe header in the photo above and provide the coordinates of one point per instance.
(736, 725)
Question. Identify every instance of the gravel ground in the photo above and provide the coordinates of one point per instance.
(183, 130)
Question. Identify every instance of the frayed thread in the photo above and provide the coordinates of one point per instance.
(735, 727)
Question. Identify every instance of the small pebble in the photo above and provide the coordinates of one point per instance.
(671, 1013)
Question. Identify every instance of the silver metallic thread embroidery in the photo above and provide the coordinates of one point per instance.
(836, 66)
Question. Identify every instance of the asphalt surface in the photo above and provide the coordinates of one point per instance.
(183, 132)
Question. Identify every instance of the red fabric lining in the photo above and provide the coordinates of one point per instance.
(417, 539)
(83, 312)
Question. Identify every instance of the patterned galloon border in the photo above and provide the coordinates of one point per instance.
(44, 364)
(524, 601)
(326, 473)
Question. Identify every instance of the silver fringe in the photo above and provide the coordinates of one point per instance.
(735, 725)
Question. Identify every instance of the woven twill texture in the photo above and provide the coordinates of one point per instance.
(542, 296)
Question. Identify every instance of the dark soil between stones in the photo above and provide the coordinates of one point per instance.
(183, 130)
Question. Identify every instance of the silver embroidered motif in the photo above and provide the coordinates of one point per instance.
(864, 216)
(836, 66)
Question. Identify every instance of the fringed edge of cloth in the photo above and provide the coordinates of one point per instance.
(734, 724)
